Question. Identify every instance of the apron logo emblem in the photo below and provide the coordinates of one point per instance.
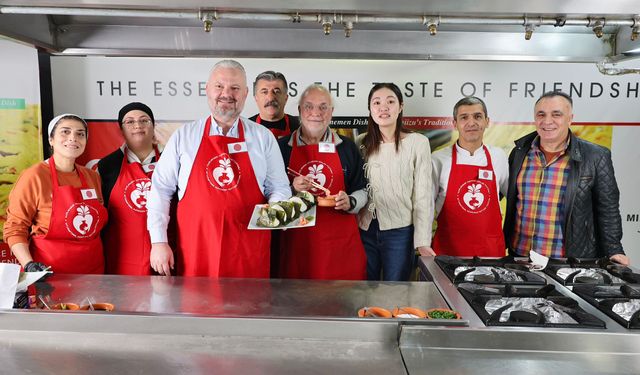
(321, 173)
(473, 196)
(223, 173)
(136, 193)
(81, 220)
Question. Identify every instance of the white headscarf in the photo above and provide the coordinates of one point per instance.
(55, 120)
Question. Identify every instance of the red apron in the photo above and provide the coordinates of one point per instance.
(470, 223)
(72, 244)
(126, 238)
(278, 132)
(213, 214)
(332, 249)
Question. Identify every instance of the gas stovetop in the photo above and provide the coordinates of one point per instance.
(620, 302)
(590, 271)
(506, 292)
(526, 306)
(487, 270)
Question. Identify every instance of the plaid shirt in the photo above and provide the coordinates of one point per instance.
(540, 204)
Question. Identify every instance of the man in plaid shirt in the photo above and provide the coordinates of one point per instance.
(563, 199)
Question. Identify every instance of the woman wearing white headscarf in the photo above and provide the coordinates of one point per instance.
(55, 211)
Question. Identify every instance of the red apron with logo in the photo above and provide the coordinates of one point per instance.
(278, 132)
(72, 244)
(213, 214)
(126, 238)
(332, 249)
(470, 223)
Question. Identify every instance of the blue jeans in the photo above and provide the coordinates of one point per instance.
(388, 251)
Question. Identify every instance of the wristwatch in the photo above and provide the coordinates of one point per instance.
(352, 203)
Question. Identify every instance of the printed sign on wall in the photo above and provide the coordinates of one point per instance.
(20, 145)
(605, 107)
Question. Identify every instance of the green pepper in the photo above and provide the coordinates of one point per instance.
(442, 314)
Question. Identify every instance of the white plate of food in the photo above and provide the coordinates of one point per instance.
(298, 211)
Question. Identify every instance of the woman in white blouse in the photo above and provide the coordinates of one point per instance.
(398, 218)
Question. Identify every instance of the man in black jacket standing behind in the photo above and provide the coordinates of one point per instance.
(563, 199)
(270, 91)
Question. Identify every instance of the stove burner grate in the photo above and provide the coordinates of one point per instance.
(620, 302)
(529, 310)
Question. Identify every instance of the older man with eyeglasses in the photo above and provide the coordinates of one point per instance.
(270, 93)
(126, 180)
(332, 248)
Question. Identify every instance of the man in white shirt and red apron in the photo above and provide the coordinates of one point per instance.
(270, 92)
(220, 167)
(469, 179)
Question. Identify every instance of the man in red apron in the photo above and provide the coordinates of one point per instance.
(469, 178)
(126, 181)
(220, 167)
(270, 92)
(331, 249)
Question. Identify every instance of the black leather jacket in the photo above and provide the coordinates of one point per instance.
(592, 225)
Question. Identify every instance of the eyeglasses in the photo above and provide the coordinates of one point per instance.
(308, 107)
(142, 122)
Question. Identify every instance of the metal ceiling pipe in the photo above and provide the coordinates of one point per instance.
(335, 17)
(257, 16)
(98, 12)
(499, 21)
(604, 68)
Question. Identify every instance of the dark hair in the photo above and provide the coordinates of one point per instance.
(373, 138)
(67, 117)
(469, 100)
(270, 76)
(553, 94)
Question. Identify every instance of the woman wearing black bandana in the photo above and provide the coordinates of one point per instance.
(126, 180)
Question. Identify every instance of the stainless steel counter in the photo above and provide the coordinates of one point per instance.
(198, 325)
(430, 350)
(321, 299)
